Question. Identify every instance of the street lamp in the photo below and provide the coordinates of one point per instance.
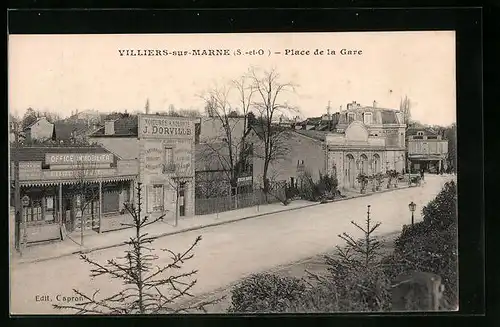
(412, 206)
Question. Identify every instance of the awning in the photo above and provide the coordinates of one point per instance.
(420, 158)
(69, 181)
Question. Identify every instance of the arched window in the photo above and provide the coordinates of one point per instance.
(364, 164)
(376, 163)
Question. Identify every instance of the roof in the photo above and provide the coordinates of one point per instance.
(37, 153)
(315, 134)
(33, 123)
(389, 116)
(125, 125)
(314, 120)
(381, 115)
(64, 130)
(427, 131)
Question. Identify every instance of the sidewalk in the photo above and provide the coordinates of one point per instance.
(95, 241)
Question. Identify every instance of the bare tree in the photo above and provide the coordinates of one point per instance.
(146, 289)
(268, 105)
(226, 149)
(246, 91)
(189, 113)
(86, 191)
(211, 185)
(405, 109)
(51, 116)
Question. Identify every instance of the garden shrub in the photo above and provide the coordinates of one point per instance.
(431, 245)
(266, 293)
(441, 212)
(324, 188)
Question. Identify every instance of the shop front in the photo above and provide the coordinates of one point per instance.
(64, 192)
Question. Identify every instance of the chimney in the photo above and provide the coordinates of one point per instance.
(374, 104)
(109, 127)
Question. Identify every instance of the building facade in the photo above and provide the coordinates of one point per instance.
(355, 152)
(60, 186)
(301, 153)
(427, 150)
(167, 163)
(164, 149)
(367, 140)
(40, 130)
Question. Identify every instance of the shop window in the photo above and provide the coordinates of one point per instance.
(34, 213)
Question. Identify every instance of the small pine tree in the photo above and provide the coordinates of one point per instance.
(146, 288)
(355, 279)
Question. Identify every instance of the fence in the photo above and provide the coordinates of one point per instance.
(220, 204)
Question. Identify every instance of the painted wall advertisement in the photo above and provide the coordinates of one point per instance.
(170, 156)
(164, 127)
(74, 158)
(167, 145)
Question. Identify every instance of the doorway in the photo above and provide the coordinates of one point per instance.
(351, 171)
(182, 199)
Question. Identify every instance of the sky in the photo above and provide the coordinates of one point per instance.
(62, 73)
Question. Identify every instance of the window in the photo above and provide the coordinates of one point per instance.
(420, 133)
(350, 117)
(169, 161)
(367, 118)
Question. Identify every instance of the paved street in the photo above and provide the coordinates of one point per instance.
(227, 252)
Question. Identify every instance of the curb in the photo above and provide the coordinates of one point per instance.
(98, 248)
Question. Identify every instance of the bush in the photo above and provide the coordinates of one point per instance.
(325, 187)
(266, 293)
(431, 245)
(442, 211)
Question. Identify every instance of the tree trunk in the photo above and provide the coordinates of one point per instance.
(265, 181)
